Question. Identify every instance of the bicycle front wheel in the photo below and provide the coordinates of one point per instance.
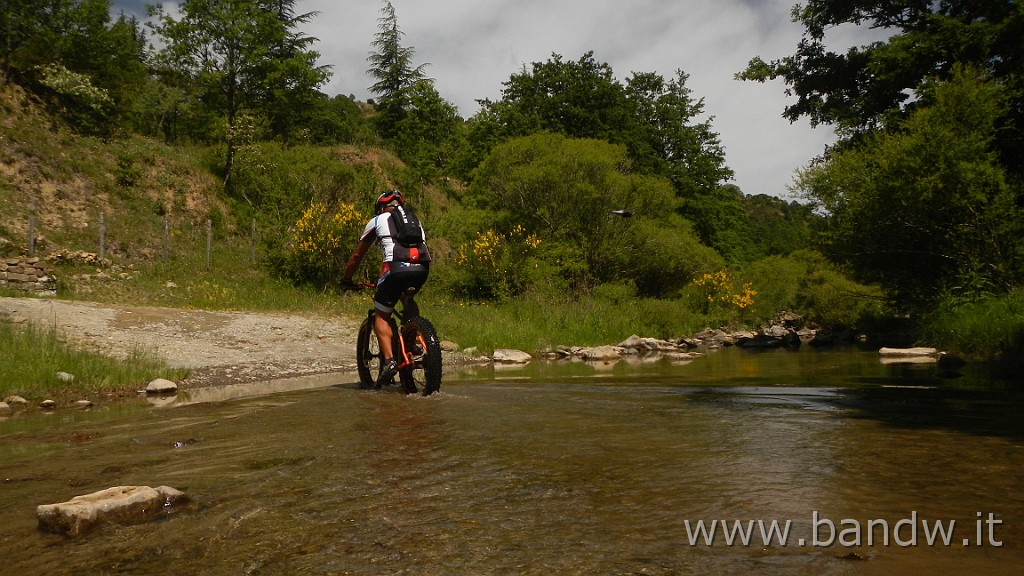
(368, 355)
(423, 346)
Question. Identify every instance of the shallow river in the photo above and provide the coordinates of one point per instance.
(550, 469)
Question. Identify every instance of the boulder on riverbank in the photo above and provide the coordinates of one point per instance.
(510, 356)
(123, 504)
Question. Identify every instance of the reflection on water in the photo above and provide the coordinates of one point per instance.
(567, 469)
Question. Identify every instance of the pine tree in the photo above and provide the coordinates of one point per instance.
(391, 65)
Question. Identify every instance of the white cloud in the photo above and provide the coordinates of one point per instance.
(472, 46)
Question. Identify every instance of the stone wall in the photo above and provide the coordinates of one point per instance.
(28, 274)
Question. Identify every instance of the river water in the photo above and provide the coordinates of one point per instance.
(555, 468)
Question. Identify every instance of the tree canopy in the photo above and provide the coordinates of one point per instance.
(925, 206)
(657, 120)
(391, 65)
(243, 55)
(858, 89)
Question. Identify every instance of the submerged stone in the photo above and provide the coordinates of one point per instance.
(123, 504)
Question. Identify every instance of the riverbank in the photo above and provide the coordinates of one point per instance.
(214, 347)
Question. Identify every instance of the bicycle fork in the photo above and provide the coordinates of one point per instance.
(408, 358)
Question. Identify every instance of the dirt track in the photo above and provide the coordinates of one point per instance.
(217, 347)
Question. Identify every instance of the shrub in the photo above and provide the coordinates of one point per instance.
(805, 283)
(493, 265)
(320, 243)
(986, 327)
(722, 297)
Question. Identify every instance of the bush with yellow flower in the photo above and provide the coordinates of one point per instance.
(722, 291)
(321, 241)
(493, 264)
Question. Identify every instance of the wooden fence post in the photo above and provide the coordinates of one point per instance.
(103, 233)
(167, 241)
(209, 242)
(32, 230)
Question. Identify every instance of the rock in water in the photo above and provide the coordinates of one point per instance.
(161, 386)
(123, 504)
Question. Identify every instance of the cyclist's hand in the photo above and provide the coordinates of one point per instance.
(347, 285)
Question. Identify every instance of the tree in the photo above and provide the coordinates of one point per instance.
(292, 77)
(430, 133)
(562, 190)
(653, 118)
(392, 67)
(664, 137)
(925, 203)
(241, 55)
(72, 55)
(858, 90)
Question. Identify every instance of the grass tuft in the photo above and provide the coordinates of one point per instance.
(32, 357)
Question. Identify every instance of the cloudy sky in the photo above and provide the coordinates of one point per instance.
(472, 46)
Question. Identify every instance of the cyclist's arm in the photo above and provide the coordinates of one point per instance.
(354, 260)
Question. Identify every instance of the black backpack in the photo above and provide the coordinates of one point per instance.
(408, 231)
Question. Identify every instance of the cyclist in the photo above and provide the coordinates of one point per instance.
(405, 268)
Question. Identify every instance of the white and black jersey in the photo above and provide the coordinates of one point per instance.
(381, 227)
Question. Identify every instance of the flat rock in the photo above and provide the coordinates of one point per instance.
(601, 353)
(908, 352)
(510, 356)
(122, 504)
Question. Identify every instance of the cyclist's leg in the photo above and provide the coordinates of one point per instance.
(416, 279)
(382, 329)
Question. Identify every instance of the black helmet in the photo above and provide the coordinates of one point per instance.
(391, 197)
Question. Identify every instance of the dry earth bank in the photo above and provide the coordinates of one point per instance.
(217, 347)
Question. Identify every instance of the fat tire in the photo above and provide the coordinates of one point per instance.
(368, 356)
(425, 374)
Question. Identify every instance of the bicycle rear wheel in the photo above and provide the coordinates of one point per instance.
(422, 344)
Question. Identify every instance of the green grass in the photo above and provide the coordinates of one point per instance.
(537, 324)
(31, 357)
(989, 328)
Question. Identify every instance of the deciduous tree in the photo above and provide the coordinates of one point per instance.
(242, 55)
(925, 202)
(856, 90)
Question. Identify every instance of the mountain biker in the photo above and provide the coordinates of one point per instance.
(404, 268)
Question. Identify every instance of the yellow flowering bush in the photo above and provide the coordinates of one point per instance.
(321, 241)
(720, 289)
(493, 264)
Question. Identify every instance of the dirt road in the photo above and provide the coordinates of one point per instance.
(217, 347)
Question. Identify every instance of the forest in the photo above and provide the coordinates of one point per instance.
(575, 189)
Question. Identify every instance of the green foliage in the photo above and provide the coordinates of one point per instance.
(430, 132)
(773, 226)
(391, 65)
(30, 358)
(494, 265)
(563, 190)
(239, 55)
(724, 291)
(806, 283)
(337, 120)
(653, 118)
(981, 328)
(914, 206)
(861, 87)
(867, 86)
(320, 244)
(69, 53)
(664, 255)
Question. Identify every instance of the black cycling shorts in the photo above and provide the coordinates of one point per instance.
(398, 277)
